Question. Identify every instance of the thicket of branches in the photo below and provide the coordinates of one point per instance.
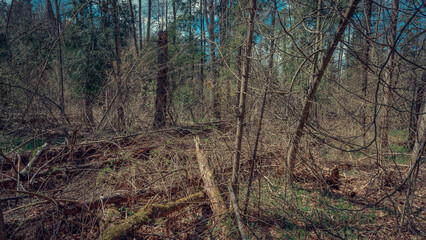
(310, 79)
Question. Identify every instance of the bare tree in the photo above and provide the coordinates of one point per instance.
(389, 81)
(243, 95)
(294, 145)
(55, 31)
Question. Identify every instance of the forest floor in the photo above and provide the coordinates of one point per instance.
(74, 190)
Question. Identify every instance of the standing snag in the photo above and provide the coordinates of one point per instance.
(162, 82)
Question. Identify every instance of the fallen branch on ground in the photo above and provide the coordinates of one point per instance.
(216, 201)
(27, 168)
(144, 215)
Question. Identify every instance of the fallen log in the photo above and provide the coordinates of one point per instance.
(26, 170)
(144, 215)
(216, 201)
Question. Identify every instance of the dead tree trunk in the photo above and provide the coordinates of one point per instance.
(242, 102)
(162, 83)
(217, 204)
(294, 145)
(151, 211)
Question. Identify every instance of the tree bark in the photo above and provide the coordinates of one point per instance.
(262, 110)
(162, 82)
(213, 63)
(132, 15)
(418, 98)
(55, 25)
(242, 102)
(389, 83)
(2, 226)
(202, 61)
(367, 9)
(88, 111)
(140, 24)
(318, 38)
(148, 25)
(294, 145)
(121, 124)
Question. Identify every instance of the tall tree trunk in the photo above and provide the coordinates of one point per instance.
(148, 25)
(59, 57)
(417, 158)
(389, 83)
(174, 20)
(243, 95)
(262, 110)
(121, 124)
(2, 225)
(191, 38)
(213, 64)
(418, 98)
(294, 145)
(162, 84)
(240, 72)
(317, 46)
(202, 61)
(88, 111)
(55, 30)
(222, 40)
(132, 15)
(140, 24)
(367, 9)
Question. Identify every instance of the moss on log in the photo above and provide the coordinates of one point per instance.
(146, 214)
